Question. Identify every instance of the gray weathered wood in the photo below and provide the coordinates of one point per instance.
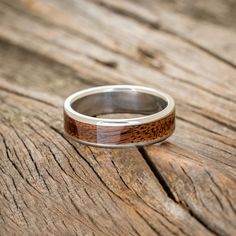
(53, 186)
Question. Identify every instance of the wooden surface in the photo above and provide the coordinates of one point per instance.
(50, 185)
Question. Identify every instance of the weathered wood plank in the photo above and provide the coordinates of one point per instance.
(47, 177)
(52, 185)
(212, 38)
(87, 64)
(197, 183)
(38, 72)
(219, 13)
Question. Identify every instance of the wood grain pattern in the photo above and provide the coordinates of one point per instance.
(155, 131)
(50, 185)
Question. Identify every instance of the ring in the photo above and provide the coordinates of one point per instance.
(83, 111)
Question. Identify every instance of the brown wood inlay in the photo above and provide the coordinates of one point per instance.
(97, 134)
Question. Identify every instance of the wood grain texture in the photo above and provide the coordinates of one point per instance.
(151, 132)
(50, 185)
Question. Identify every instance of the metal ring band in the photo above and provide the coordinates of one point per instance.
(82, 108)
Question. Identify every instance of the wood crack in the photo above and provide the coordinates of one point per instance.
(121, 178)
(55, 130)
(107, 187)
(149, 224)
(9, 158)
(28, 150)
(157, 26)
(158, 175)
(170, 194)
(220, 190)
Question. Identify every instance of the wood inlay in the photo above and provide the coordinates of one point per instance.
(145, 133)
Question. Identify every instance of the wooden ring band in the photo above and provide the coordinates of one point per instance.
(156, 124)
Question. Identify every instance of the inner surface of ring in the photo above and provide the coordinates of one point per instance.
(119, 102)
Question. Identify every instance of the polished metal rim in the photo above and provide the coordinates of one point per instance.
(126, 145)
(116, 89)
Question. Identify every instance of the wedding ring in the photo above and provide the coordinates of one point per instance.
(84, 113)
